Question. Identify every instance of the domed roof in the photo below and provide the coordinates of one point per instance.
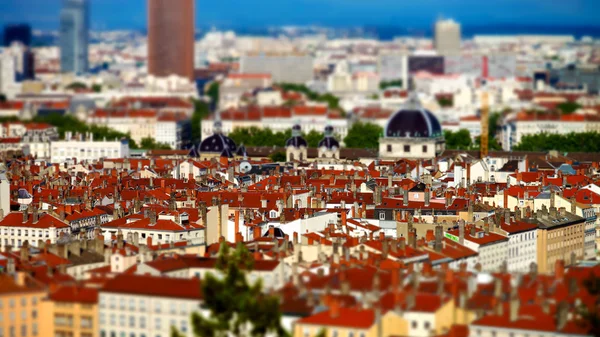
(296, 140)
(218, 143)
(413, 121)
(329, 141)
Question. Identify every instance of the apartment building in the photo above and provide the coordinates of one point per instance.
(20, 304)
(148, 306)
(522, 241)
(86, 149)
(561, 236)
(71, 311)
(18, 227)
(491, 247)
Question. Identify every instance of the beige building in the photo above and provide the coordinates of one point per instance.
(71, 311)
(20, 304)
(561, 236)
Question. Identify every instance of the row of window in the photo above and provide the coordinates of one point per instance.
(11, 331)
(12, 302)
(123, 322)
(173, 307)
(407, 148)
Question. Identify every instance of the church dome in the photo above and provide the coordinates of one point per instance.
(413, 121)
(296, 140)
(218, 143)
(329, 141)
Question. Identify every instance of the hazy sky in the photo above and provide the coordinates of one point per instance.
(114, 14)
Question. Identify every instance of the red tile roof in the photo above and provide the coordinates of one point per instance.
(154, 286)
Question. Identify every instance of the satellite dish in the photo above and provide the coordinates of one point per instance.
(245, 167)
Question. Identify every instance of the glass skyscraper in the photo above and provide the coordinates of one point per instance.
(74, 25)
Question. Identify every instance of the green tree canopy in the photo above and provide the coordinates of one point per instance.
(393, 83)
(445, 102)
(96, 87)
(278, 157)
(76, 86)
(235, 305)
(201, 111)
(363, 135)
(568, 108)
(255, 136)
(332, 101)
(213, 92)
(459, 140)
(151, 144)
(66, 123)
(572, 142)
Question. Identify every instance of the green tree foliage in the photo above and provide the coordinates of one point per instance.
(459, 140)
(568, 108)
(572, 142)
(213, 92)
(493, 123)
(278, 157)
(255, 136)
(66, 123)
(363, 135)
(492, 144)
(386, 84)
(235, 305)
(96, 87)
(151, 144)
(332, 101)
(589, 316)
(76, 86)
(2, 98)
(313, 138)
(445, 102)
(201, 111)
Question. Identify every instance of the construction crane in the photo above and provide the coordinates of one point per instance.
(485, 127)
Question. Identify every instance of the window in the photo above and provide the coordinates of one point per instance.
(131, 321)
(34, 329)
(157, 307)
(426, 325)
(24, 330)
(424, 148)
(414, 324)
(382, 216)
(86, 322)
(113, 319)
(389, 148)
(184, 326)
(142, 322)
(406, 148)
(157, 323)
(122, 320)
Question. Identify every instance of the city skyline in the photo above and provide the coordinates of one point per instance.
(113, 14)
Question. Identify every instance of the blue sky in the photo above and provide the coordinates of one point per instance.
(115, 14)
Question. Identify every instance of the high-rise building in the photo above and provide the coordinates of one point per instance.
(171, 38)
(74, 25)
(447, 37)
(18, 32)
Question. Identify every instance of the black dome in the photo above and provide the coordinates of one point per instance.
(218, 143)
(329, 143)
(296, 141)
(413, 121)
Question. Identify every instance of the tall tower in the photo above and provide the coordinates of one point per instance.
(74, 31)
(171, 38)
(447, 37)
